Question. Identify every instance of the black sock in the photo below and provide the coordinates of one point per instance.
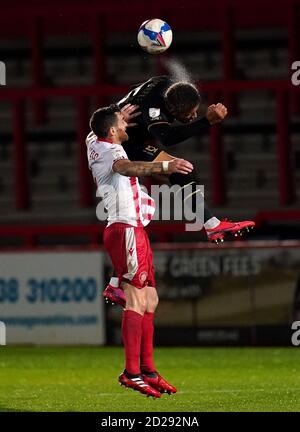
(149, 374)
(130, 376)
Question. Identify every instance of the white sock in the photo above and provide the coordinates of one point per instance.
(212, 223)
(114, 282)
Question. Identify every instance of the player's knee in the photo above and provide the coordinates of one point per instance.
(136, 298)
(153, 300)
(138, 305)
(154, 305)
(142, 305)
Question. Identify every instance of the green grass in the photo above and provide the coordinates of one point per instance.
(208, 379)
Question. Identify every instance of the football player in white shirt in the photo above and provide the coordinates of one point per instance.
(127, 242)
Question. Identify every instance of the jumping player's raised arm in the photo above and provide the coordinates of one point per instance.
(171, 134)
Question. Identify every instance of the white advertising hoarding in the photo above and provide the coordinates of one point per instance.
(52, 297)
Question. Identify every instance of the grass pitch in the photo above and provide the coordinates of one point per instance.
(208, 379)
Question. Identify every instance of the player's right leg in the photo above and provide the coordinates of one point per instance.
(217, 232)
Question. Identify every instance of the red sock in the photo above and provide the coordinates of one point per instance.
(131, 335)
(147, 362)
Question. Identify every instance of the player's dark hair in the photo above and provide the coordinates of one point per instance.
(103, 119)
(182, 97)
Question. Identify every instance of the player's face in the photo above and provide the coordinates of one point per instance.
(121, 128)
(189, 116)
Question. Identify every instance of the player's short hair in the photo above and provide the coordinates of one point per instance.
(103, 119)
(182, 97)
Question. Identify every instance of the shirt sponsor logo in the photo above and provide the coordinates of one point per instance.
(151, 149)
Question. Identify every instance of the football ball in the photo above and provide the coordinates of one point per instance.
(155, 36)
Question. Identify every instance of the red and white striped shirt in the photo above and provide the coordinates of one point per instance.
(123, 197)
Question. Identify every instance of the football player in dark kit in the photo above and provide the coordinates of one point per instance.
(168, 113)
(162, 102)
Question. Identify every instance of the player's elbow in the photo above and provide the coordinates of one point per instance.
(121, 167)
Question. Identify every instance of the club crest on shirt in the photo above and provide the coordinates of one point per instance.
(143, 276)
(154, 113)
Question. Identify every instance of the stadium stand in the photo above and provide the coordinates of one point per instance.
(249, 166)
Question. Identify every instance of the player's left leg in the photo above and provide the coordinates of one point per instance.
(149, 373)
(147, 362)
(215, 229)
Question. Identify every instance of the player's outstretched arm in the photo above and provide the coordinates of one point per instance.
(216, 113)
(140, 168)
(171, 134)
